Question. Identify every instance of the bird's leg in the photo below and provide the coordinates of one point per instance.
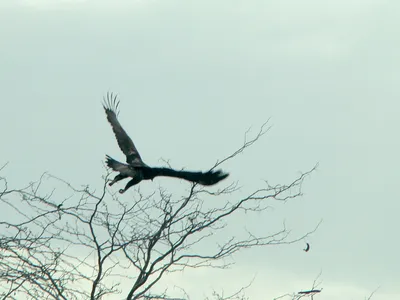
(129, 184)
(116, 179)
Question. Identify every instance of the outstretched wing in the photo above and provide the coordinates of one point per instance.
(203, 178)
(124, 141)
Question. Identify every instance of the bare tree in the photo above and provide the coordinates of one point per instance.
(62, 242)
(309, 293)
(312, 292)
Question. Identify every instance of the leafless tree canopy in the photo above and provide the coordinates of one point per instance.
(78, 243)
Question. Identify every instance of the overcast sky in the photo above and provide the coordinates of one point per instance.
(192, 77)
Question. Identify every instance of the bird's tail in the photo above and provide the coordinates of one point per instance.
(116, 165)
(111, 162)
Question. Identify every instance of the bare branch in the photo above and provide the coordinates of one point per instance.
(58, 241)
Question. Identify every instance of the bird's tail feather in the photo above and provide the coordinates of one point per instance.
(111, 162)
(116, 165)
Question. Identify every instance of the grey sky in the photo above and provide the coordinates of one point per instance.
(192, 77)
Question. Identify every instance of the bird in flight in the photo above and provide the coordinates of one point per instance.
(135, 167)
(307, 247)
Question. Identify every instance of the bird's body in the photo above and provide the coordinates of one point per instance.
(135, 167)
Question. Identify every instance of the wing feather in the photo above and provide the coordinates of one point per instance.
(207, 178)
(124, 141)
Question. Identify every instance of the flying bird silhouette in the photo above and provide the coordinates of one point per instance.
(307, 247)
(135, 167)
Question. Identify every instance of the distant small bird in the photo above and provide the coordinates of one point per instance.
(136, 168)
(310, 292)
(307, 247)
